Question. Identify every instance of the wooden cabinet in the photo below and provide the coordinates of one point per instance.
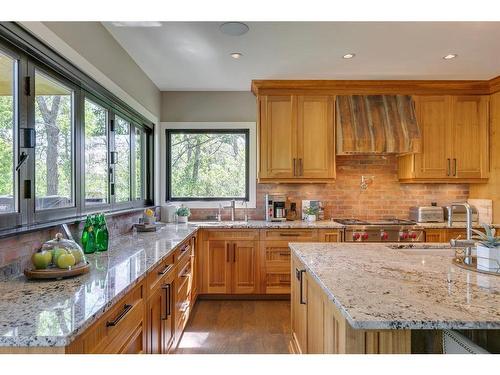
(296, 138)
(444, 234)
(159, 315)
(318, 326)
(298, 307)
(330, 235)
(454, 140)
(122, 329)
(230, 262)
(275, 257)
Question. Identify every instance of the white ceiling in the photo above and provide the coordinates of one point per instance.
(195, 55)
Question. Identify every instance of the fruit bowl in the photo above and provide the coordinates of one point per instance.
(58, 258)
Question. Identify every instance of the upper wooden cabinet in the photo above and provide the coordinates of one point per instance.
(454, 140)
(296, 138)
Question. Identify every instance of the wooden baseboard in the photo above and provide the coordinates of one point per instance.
(249, 297)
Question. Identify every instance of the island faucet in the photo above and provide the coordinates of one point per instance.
(469, 242)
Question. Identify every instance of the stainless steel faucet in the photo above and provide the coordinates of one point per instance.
(219, 214)
(469, 242)
(233, 209)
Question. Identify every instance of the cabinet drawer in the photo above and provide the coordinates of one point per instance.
(121, 329)
(232, 234)
(277, 282)
(160, 272)
(290, 235)
(183, 251)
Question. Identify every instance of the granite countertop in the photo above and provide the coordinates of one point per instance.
(376, 287)
(53, 313)
(262, 224)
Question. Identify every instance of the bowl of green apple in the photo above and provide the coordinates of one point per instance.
(56, 259)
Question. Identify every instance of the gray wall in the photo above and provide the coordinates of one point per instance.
(92, 41)
(180, 106)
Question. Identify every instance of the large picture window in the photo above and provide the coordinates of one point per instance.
(207, 164)
(122, 147)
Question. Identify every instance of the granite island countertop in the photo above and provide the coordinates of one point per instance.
(262, 224)
(376, 287)
(53, 313)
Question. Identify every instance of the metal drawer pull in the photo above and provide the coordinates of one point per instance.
(227, 253)
(234, 253)
(285, 254)
(167, 268)
(126, 309)
(167, 288)
(290, 234)
(299, 274)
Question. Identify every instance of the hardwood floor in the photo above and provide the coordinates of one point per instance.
(237, 327)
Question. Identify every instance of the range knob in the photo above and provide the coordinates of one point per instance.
(403, 235)
(384, 236)
(413, 235)
(355, 236)
(365, 236)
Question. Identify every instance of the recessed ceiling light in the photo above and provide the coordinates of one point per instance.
(234, 28)
(450, 56)
(137, 24)
(348, 55)
(236, 55)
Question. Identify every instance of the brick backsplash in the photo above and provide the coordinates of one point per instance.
(384, 198)
(16, 251)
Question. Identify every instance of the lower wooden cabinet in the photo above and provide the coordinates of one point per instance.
(444, 235)
(230, 267)
(318, 327)
(122, 329)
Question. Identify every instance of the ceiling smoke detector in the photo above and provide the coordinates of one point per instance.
(136, 24)
(236, 55)
(348, 55)
(450, 56)
(234, 28)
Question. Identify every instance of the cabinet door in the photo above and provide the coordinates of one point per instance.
(275, 267)
(277, 133)
(433, 117)
(435, 235)
(315, 318)
(217, 267)
(244, 269)
(315, 137)
(298, 306)
(469, 137)
(155, 323)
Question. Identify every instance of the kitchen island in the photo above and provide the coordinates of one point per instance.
(368, 298)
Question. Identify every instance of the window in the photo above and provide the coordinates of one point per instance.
(7, 128)
(59, 155)
(207, 164)
(54, 143)
(96, 153)
(122, 148)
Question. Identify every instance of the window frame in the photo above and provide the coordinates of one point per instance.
(48, 214)
(168, 182)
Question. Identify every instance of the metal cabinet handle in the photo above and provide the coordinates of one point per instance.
(285, 254)
(299, 274)
(227, 252)
(126, 309)
(448, 168)
(454, 167)
(168, 307)
(234, 253)
(166, 269)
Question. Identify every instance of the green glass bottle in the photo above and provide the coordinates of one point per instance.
(85, 233)
(90, 243)
(102, 235)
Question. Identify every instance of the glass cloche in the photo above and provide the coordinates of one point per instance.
(66, 253)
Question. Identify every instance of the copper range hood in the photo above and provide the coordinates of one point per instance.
(376, 124)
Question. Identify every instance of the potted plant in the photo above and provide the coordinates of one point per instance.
(488, 249)
(311, 213)
(183, 213)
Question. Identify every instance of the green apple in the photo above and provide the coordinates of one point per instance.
(56, 252)
(41, 259)
(78, 254)
(65, 260)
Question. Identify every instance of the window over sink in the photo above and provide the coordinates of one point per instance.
(207, 164)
